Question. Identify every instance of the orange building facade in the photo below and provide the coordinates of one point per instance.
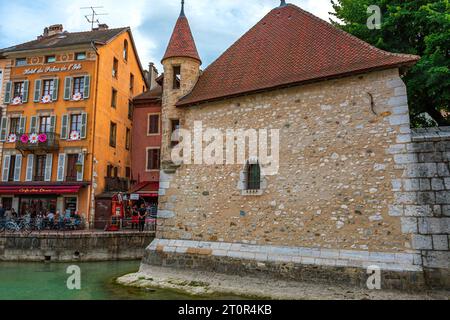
(67, 131)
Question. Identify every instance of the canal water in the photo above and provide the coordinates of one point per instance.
(48, 281)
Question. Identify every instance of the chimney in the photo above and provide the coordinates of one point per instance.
(103, 26)
(152, 75)
(53, 29)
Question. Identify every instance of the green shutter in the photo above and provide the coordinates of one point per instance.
(64, 127)
(33, 124)
(53, 124)
(87, 87)
(3, 128)
(22, 124)
(55, 89)
(8, 92)
(67, 88)
(83, 125)
(26, 86)
(37, 90)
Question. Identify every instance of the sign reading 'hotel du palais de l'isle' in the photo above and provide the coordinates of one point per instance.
(64, 68)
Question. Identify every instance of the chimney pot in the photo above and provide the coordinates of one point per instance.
(53, 29)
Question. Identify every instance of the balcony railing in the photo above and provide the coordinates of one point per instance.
(116, 184)
(45, 142)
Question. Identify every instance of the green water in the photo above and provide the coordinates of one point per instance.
(47, 281)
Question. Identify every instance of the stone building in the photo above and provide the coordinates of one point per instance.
(352, 190)
(67, 131)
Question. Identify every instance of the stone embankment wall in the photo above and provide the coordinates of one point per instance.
(74, 246)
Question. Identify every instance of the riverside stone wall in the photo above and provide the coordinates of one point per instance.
(74, 246)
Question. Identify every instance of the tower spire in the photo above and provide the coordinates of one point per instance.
(182, 9)
(283, 3)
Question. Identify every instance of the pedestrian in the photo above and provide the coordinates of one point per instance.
(142, 216)
(134, 218)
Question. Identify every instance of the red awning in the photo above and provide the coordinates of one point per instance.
(146, 189)
(40, 190)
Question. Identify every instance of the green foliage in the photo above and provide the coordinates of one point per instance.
(420, 27)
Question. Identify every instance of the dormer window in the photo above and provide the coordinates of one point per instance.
(176, 77)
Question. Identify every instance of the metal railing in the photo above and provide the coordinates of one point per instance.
(50, 142)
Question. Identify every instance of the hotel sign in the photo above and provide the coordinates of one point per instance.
(52, 69)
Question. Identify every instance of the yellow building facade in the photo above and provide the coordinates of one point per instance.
(67, 130)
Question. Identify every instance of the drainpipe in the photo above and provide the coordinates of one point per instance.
(91, 194)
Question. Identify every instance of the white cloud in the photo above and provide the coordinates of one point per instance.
(215, 24)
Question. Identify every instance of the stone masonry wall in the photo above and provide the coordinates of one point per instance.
(334, 189)
(423, 196)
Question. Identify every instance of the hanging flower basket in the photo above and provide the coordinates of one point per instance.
(74, 136)
(12, 138)
(42, 138)
(46, 99)
(77, 96)
(34, 138)
(24, 139)
(17, 100)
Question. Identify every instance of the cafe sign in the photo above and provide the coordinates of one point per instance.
(53, 69)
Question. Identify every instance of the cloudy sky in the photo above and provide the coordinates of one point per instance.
(216, 24)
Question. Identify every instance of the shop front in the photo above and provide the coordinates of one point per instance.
(36, 199)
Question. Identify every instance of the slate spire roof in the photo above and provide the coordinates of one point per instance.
(182, 42)
(289, 46)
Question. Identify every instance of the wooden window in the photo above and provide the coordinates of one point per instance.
(114, 98)
(75, 122)
(45, 124)
(21, 62)
(128, 139)
(115, 70)
(80, 56)
(50, 59)
(39, 169)
(176, 77)
(125, 50)
(253, 176)
(78, 85)
(153, 124)
(153, 159)
(19, 89)
(49, 86)
(71, 174)
(14, 125)
(12, 165)
(112, 134)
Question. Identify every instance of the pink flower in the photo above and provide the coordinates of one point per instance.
(24, 138)
(42, 138)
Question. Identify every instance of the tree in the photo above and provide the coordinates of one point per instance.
(420, 27)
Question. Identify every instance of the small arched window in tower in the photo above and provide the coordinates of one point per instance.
(253, 176)
(176, 77)
(125, 50)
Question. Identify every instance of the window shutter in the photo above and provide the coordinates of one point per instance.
(3, 128)
(18, 168)
(5, 171)
(53, 124)
(30, 166)
(33, 124)
(83, 125)
(64, 126)
(67, 88)
(61, 167)
(55, 89)
(8, 92)
(37, 90)
(26, 85)
(80, 175)
(48, 167)
(87, 87)
(22, 124)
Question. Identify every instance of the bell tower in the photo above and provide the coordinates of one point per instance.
(181, 64)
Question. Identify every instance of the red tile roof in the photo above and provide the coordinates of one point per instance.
(182, 42)
(288, 46)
